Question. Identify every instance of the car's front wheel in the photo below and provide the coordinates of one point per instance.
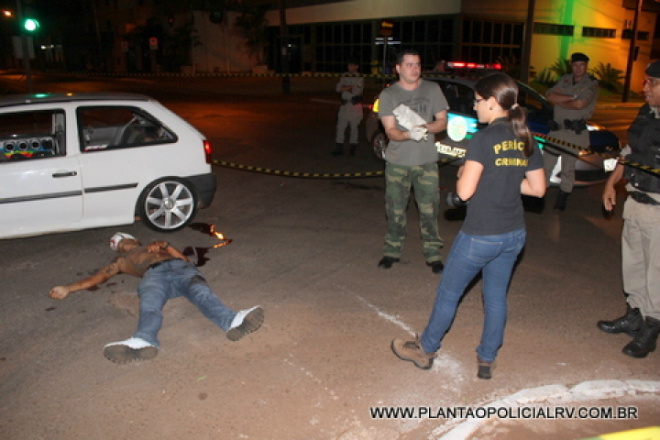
(167, 205)
(379, 144)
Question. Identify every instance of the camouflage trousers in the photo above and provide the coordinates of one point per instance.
(399, 180)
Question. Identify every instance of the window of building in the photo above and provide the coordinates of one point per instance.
(554, 29)
(486, 41)
(326, 46)
(595, 32)
(627, 35)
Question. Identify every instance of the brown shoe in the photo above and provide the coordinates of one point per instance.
(485, 370)
(412, 351)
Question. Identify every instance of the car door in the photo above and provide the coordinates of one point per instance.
(123, 147)
(39, 195)
(40, 186)
(462, 120)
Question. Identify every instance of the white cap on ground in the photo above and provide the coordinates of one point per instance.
(118, 237)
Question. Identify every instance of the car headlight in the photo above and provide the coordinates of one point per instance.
(376, 106)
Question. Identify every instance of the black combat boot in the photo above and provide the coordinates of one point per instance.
(645, 340)
(353, 148)
(338, 151)
(560, 203)
(629, 323)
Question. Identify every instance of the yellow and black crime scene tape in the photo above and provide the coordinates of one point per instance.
(456, 154)
(298, 174)
(571, 148)
(452, 154)
(244, 74)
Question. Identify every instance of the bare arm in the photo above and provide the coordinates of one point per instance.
(534, 183)
(393, 133)
(609, 193)
(103, 275)
(158, 246)
(468, 179)
(439, 124)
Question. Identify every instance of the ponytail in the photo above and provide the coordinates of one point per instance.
(505, 91)
(518, 118)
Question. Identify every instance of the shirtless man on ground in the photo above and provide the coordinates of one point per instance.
(166, 273)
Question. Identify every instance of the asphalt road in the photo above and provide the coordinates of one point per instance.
(306, 249)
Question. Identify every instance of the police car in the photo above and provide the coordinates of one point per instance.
(87, 160)
(458, 88)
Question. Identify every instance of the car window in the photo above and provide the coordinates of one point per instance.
(32, 135)
(532, 101)
(460, 97)
(112, 127)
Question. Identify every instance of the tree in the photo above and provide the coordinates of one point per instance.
(251, 24)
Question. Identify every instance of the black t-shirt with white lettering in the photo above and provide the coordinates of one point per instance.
(496, 206)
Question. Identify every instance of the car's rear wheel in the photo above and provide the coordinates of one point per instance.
(168, 205)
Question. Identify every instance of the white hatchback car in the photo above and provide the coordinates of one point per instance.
(87, 160)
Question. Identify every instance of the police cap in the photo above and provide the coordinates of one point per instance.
(579, 56)
(653, 69)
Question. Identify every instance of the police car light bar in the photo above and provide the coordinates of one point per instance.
(466, 65)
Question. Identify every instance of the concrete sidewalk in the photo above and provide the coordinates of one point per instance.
(614, 102)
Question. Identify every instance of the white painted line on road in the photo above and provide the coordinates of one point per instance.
(289, 361)
(585, 391)
(387, 316)
(443, 362)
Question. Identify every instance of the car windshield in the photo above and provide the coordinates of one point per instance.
(534, 102)
(460, 97)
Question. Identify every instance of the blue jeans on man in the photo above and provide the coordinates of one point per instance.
(494, 256)
(169, 280)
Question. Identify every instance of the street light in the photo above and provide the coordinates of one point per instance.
(31, 24)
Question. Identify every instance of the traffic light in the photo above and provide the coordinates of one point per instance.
(30, 24)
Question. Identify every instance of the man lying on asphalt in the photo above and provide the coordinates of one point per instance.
(166, 274)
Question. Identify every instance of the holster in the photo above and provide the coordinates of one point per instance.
(577, 125)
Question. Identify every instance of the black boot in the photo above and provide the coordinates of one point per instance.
(560, 203)
(338, 151)
(645, 340)
(629, 323)
(353, 148)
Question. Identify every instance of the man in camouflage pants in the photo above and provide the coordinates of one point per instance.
(411, 111)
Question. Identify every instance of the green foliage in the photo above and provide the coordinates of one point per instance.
(546, 78)
(510, 65)
(561, 67)
(608, 76)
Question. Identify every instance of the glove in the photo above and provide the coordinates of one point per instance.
(418, 133)
(407, 118)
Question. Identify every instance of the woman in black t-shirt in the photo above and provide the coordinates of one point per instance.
(502, 162)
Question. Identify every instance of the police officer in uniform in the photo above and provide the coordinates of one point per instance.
(640, 240)
(575, 98)
(350, 114)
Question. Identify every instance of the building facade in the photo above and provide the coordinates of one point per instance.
(130, 36)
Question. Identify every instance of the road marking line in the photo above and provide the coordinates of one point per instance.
(585, 391)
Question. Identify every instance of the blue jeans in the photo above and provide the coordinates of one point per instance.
(494, 256)
(172, 279)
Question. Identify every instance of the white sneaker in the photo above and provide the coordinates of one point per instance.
(245, 322)
(130, 350)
